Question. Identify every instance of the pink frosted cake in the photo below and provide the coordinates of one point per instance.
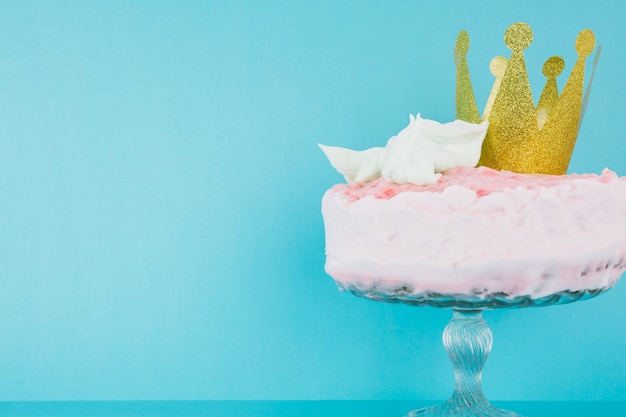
(478, 232)
(418, 217)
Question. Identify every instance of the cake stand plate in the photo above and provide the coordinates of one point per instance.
(467, 340)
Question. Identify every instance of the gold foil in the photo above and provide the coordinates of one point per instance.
(497, 67)
(521, 138)
(555, 142)
(596, 58)
(550, 95)
(466, 108)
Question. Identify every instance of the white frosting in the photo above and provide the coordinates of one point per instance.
(416, 155)
(356, 166)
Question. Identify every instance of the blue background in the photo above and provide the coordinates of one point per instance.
(160, 186)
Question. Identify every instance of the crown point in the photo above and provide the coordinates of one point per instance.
(498, 65)
(462, 42)
(518, 36)
(553, 66)
(585, 42)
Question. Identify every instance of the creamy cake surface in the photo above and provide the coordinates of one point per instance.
(479, 232)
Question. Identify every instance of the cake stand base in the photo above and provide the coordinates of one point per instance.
(467, 340)
(451, 409)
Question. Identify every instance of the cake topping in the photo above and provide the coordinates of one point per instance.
(521, 137)
(416, 155)
(511, 135)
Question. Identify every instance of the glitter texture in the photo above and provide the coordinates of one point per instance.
(522, 138)
(550, 95)
(466, 108)
(497, 67)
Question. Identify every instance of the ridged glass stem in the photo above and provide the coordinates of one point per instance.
(467, 340)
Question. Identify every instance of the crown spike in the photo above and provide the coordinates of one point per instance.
(558, 136)
(466, 108)
(512, 118)
(497, 67)
(596, 58)
(550, 95)
(585, 42)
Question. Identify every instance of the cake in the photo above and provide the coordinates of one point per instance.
(482, 207)
(478, 232)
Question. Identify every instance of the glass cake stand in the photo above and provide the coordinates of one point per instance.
(467, 339)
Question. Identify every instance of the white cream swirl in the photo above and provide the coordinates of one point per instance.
(416, 155)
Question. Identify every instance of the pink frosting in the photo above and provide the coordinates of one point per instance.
(479, 231)
(482, 180)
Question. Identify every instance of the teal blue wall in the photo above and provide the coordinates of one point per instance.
(160, 187)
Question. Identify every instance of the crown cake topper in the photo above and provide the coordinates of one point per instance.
(521, 137)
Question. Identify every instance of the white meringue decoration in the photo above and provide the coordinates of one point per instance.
(416, 155)
(356, 166)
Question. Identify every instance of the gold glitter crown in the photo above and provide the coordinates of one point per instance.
(521, 137)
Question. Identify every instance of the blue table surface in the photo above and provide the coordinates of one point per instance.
(290, 408)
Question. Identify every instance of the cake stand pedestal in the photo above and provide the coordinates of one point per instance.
(467, 339)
